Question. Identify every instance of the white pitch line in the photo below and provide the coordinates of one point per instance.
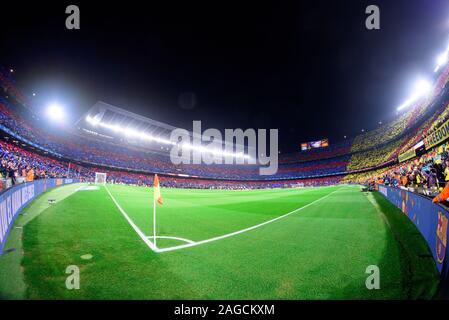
(174, 238)
(197, 243)
(136, 228)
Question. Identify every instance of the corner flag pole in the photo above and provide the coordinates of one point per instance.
(156, 197)
(154, 220)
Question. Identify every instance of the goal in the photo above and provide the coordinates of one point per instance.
(100, 178)
(298, 185)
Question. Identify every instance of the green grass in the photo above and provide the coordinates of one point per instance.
(12, 285)
(319, 252)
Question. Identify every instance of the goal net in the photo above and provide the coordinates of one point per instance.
(100, 178)
(298, 185)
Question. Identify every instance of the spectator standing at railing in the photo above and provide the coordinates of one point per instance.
(12, 173)
(41, 174)
(446, 171)
(439, 168)
(410, 179)
(4, 169)
(430, 177)
(442, 196)
(418, 178)
(30, 175)
(395, 180)
(404, 180)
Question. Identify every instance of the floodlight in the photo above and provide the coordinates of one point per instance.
(130, 132)
(145, 136)
(94, 121)
(55, 111)
(441, 60)
(422, 89)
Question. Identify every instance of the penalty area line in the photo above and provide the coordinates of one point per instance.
(133, 225)
(197, 243)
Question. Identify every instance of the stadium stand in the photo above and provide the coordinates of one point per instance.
(27, 146)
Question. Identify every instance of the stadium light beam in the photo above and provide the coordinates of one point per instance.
(422, 89)
(129, 132)
(442, 60)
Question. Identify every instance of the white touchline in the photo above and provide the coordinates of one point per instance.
(136, 228)
(243, 230)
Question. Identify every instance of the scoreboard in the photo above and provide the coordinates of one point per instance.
(323, 143)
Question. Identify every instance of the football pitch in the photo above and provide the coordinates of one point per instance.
(306, 243)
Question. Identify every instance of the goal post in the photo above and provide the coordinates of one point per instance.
(100, 178)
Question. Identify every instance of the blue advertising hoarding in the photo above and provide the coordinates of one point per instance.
(431, 220)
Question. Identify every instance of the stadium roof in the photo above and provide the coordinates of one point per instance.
(107, 113)
(112, 123)
(107, 122)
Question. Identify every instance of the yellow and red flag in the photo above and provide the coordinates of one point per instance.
(157, 190)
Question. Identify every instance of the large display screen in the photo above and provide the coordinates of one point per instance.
(315, 144)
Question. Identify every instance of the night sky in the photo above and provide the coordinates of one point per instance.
(310, 69)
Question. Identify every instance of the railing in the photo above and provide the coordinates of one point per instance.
(6, 183)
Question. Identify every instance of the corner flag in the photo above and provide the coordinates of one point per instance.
(157, 197)
(157, 190)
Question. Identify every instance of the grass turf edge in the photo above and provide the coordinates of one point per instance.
(419, 266)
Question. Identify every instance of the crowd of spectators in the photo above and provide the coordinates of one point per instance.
(337, 159)
(395, 129)
(385, 133)
(375, 157)
(442, 118)
(19, 165)
(427, 174)
(334, 150)
(433, 121)
(129, 178)
(103, 153)
(100, 153)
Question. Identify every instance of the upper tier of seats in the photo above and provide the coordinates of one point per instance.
(16, 161)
